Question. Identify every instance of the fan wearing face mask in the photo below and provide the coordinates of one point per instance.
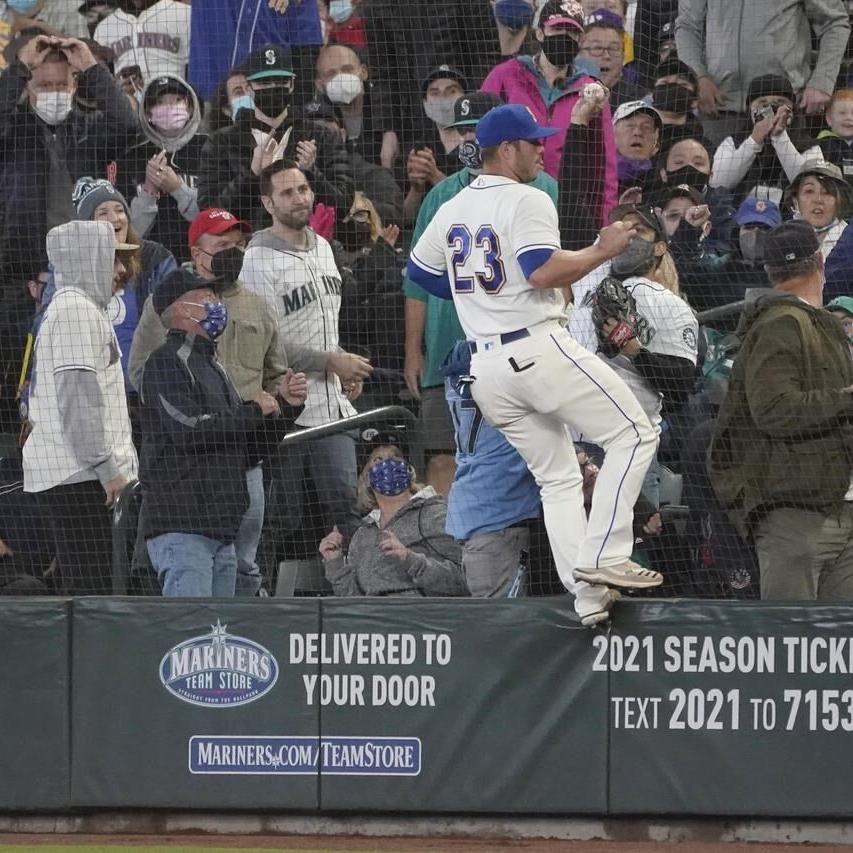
(48, 142)
(550, 83)
(744, 265)
(372, 179)
(159, 174)
(674, 97)
(656, 356)
(687, 224)
(430, 143)
(401, 547)
(371, 317)
(247, 347)
(199, 446)
(265, 130)
(763, 160)
(341, 79)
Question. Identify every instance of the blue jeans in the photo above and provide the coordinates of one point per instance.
(193, 566)
(249, 535)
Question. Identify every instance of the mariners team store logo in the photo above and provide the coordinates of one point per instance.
(218, 670)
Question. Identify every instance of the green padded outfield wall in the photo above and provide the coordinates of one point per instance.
(34, 697)
(428, 705)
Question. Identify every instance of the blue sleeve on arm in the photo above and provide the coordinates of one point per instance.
(532, 259)
(437, 285)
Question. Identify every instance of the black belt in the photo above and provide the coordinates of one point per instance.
(505, 338)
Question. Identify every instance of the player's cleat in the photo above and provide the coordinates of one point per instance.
(593, 603)
(627, 575)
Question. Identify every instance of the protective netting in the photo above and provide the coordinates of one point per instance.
(210, 300)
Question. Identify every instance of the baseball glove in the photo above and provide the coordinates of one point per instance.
(611, 300)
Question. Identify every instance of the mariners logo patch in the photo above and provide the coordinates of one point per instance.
(218, 669)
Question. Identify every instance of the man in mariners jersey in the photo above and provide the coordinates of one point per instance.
(294, 270)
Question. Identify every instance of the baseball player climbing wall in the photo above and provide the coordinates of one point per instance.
(494, 249)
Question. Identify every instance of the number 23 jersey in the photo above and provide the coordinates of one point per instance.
(481, 238)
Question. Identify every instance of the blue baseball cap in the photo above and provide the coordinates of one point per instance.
(508, 123)
(755, 211)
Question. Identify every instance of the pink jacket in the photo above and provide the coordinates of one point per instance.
(517, 84)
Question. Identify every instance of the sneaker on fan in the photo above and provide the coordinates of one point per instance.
(627, 575)
(593, 603)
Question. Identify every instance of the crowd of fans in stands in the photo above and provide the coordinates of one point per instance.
(270, 163)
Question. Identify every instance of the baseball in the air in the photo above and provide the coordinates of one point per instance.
(594, 92)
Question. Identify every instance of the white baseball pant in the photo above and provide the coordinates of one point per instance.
(532, 390)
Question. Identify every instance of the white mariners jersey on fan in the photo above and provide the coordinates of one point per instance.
(671, 329)
(303, 290)
(478, 237)
(157, 40)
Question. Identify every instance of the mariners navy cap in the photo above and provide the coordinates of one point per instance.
(555, 13)
(174, 286)
(789, 242)
(758, 211)
(270, 61)
(215, 220)
(444, 72)
(469, 109)
(509, 123)
(630, 107)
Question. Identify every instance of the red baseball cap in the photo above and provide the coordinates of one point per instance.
(215, 220)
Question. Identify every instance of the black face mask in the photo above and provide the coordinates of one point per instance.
(560, 51)
(227, 264)
(272, 102)
(689, 175)
(353, 236)
(686, 242)
(673, 98)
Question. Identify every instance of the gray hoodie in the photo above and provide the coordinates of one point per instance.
(735, 41)
(144, 208)
(169, 142)
(434, 566)
(78, 410)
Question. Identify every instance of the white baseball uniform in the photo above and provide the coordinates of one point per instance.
(532, 379)
(671, 329)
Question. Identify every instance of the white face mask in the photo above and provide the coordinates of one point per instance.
(441, 110)
(344, 88)
(169, 117)
(53, 107)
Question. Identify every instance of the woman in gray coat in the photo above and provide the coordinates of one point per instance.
(401, 547)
